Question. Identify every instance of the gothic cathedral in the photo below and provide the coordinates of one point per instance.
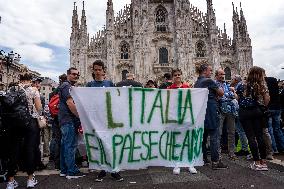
(151, 37)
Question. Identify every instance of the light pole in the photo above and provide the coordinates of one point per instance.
(8, 60)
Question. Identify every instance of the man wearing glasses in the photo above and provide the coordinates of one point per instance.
(69, 122)
(228, 111)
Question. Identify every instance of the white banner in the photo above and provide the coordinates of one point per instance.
(133, 128)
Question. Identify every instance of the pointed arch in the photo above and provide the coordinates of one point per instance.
(228, 74)
(161, 19)
(163, 55)
(124, 50)
(200, 49)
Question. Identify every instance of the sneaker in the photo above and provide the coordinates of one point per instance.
(31, 183)
(11, 185)
(75, 176)
(62, 175)
(256, 167)
(117, 177)
(192, 170)
(100, 176)
(176, 171)
(219, 165)
(249, 157)
(242, 153)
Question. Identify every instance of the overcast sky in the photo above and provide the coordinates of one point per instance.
(39, 30)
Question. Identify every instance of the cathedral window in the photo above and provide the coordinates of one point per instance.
(227, 74)
(124, 51)
(161, 19)
(163, 56)
(0, 78)
(200, 49)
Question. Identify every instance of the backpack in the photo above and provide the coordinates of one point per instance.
(53, 105)
(14, 107)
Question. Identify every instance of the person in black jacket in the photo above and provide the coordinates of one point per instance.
(274, 106)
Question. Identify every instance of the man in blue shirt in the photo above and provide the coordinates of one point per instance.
(228, 111)
(98, 75)
(69, 122)
(99, 81)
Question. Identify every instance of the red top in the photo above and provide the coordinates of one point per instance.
(183, 85)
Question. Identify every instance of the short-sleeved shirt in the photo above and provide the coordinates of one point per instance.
(203, 82)
(64, 114)
(174, 86)
(32, 93)
(211, 118)
(104, 83)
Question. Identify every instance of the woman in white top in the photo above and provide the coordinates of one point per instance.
(29, 132)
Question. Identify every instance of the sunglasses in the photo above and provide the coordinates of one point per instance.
(75, 74)
(175, 75)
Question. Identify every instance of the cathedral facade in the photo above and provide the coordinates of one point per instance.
(152, 37)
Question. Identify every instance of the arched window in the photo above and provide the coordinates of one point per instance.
(163, 56)
(227, 73)
(124, 51)
(123, 73)
(200, 49)
(161, 19)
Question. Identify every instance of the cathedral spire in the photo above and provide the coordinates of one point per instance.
(75, 21)
(83, 26)
(109, 15)
(211, 15)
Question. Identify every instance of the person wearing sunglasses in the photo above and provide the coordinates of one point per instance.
(69, 122)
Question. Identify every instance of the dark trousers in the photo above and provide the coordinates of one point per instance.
(214, 144)
(253, 126)
(55, 142)
(17, 135)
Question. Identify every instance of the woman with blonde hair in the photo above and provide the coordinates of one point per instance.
(253, 96)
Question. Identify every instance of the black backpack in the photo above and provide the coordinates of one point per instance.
(14, 107)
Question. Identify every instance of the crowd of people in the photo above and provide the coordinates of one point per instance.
(244, 111)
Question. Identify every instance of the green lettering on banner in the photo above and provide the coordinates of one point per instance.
(195, 142)
(111, 123)
(128, 139)
(130, 99)
(114, 145)
(89, 147)
(152, 144)
(143, 90)
(146, 145)
(103, 153)
(165, 155)
(186, 144)
(175, 145)
(170, 144)
(187, 105)
(198, 142)
(167, 108)
(135, 147)
(160, 106)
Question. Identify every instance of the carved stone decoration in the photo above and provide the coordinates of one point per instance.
(132, 41)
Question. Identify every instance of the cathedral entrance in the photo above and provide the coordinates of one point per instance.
(123, 73)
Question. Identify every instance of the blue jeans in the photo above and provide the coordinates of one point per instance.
(241, 132)
(275, 131)
(68, 149)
